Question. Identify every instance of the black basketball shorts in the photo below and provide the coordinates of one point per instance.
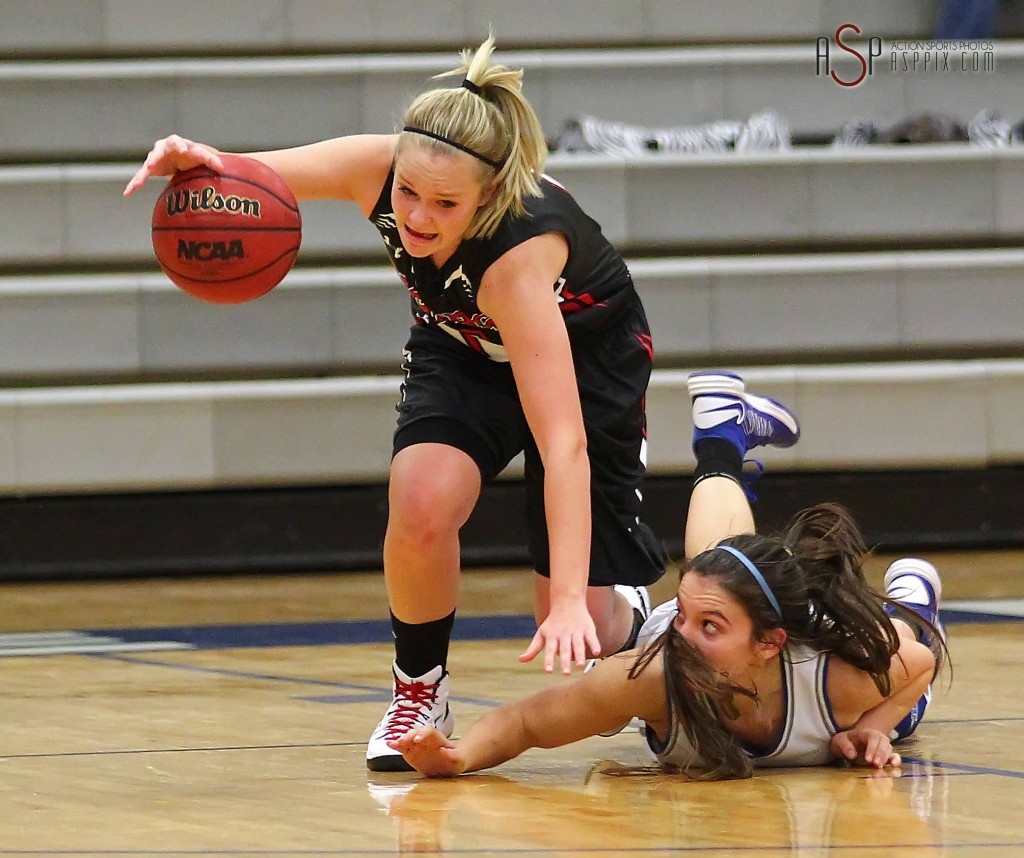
(452, 395)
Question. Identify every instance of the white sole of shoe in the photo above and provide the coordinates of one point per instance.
(915, 566)
(711, 382)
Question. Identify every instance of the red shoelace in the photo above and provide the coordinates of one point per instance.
(410, 698)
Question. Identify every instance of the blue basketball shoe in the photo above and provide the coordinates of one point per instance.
(723, 409)
(916, 585)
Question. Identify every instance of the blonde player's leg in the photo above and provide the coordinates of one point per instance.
(432, 491)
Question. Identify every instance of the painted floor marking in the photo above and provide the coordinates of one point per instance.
(321, 633)
(79, 643)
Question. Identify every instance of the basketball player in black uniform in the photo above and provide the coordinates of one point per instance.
(528, 337)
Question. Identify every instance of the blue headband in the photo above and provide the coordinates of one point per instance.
(768, 594)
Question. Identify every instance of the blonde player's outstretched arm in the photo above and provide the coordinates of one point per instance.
(601, 700)
(343, 168)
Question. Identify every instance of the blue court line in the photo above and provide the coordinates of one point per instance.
(249, 635)
(954, 617)
(240, 674)
(370, 693)
(252, 635)
(966, 768)
(242, 635)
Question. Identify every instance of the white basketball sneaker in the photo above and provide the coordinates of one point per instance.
(420, 701)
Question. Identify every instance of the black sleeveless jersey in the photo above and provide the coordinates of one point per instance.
(593, 289)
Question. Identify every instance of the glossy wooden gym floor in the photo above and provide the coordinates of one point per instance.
(227, 716)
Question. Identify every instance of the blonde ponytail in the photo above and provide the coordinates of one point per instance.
(488, 117)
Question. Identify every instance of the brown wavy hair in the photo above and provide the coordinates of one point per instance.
(815, 571)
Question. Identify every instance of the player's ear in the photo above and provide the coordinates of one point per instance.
(770, 644)
(490, 189)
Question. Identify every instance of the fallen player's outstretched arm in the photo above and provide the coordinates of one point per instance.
(603, 699)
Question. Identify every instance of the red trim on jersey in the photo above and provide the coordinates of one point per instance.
(647, 342)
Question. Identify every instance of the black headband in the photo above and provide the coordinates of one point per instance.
(489, 161)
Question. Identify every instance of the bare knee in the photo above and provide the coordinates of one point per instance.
(421, 514)
(431, 496)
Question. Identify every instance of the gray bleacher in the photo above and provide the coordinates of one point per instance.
(814, 196)
(77, 329)
(324, 431)
(131, 27)
(869, 287)
(108, 108)
(806, 312)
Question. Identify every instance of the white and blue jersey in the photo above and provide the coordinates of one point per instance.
(808, 722)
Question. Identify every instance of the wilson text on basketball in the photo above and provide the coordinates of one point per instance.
(207, 199)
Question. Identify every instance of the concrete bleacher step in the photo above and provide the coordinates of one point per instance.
(141, 26)
(814, 198)
(94, 439)
(110, 109)
(810, 308)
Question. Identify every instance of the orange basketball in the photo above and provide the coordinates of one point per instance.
(227, 237)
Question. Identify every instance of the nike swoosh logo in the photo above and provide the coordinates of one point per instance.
(710, 411)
